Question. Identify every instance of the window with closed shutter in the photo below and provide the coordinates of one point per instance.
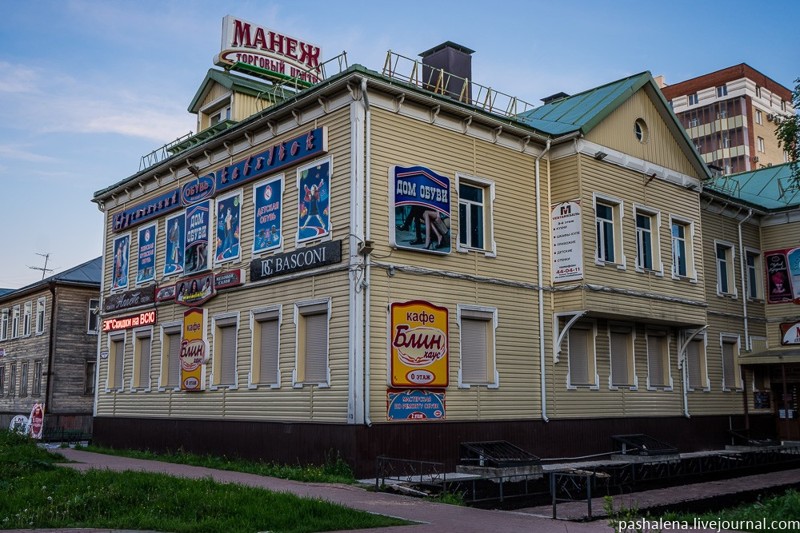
(143, 346)
(475, 346)
(696, 364)
(268, 351)
(621, 357)
(657, 360)
(227, 355)
(316, 348)
(579, 357)
(730, 375)
(173, 359)
(117, 353)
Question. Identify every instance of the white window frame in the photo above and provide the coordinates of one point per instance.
(655, 242)
(141, 333)
(223, 320)
(726, 338)
(633, 381)
(722, 90)
(27, 318)
(692, 99)
(758, 272)
(15, 316)
(706, 381)
(730, 266)
(93, 309)
(168, 329)
(4, 324)
(688, 239)
(489, 314)
(299, 329)
(263, 314)
(591, 327)
(111, 369)
(760, 144)
(617, 218)
(668, 382)
(759, 117)
(489, 245)
(758, 91)
(41, 314)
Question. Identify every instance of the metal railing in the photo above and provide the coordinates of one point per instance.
(408, 471)
(439, 81)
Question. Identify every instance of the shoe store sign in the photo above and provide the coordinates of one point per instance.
(419, 210)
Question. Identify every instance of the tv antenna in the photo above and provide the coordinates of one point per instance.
(44, 268)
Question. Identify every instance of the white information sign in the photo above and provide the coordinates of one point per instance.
(565, 219)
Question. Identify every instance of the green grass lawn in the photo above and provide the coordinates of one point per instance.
(335, 470)
(782, 509)
(37, 494)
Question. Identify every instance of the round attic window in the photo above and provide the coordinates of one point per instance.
(640, 130)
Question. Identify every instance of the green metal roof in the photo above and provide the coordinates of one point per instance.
(583, 111)
(768, 188)
(231, 81)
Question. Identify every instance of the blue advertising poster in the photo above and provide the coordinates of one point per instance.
(176, 237)
(268, 197)
(415, 405)
(229, 210)
(146, 264)
(119, 276)
(313, 181)
(420, 209)
(197, 223)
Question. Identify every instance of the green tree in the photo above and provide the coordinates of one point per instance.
(788, 132)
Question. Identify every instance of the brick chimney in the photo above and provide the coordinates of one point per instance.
(453, 59)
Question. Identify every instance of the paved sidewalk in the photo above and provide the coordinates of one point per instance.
(430, 517)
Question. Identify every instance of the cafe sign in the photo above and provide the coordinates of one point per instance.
(194, 350)
(419, 345)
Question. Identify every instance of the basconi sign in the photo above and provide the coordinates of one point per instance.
(282, 55)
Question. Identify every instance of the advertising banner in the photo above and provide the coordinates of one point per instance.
(229, 210)
(783, 275)
(128, 299)
(146, 263)
(419, 345)
(194, 350)
(565, 221)
(197, 222)
(196, 290)
(790, 333)
(313, 182)
(145, 318)
(119, 274)
(322, 254)
(268, 200)
(415, 405)
(176, 239)
(419, 209)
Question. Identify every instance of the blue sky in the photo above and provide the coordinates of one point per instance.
(87, 87)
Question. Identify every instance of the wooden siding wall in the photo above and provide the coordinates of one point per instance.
(661, 148)
(505, 282)
(304, 403)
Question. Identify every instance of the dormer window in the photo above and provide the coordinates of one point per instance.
(219, 116)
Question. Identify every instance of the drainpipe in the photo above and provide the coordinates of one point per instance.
(685, 369)
(367, 237)
(540, 282)
(51, 348)
(747, 346)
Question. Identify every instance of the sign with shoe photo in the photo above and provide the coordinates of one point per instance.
(419, 210)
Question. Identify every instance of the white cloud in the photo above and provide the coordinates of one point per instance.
(17, 79)
(23, 153)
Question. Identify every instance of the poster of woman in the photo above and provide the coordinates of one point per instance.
(313, 182)
(778, 279)
(420, 209)
(228, 235)
(176, 228)
(119, 272)
(146, 263)
(268, 199)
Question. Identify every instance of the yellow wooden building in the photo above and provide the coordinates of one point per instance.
(381, 264)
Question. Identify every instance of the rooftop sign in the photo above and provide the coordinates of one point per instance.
(279, 54)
